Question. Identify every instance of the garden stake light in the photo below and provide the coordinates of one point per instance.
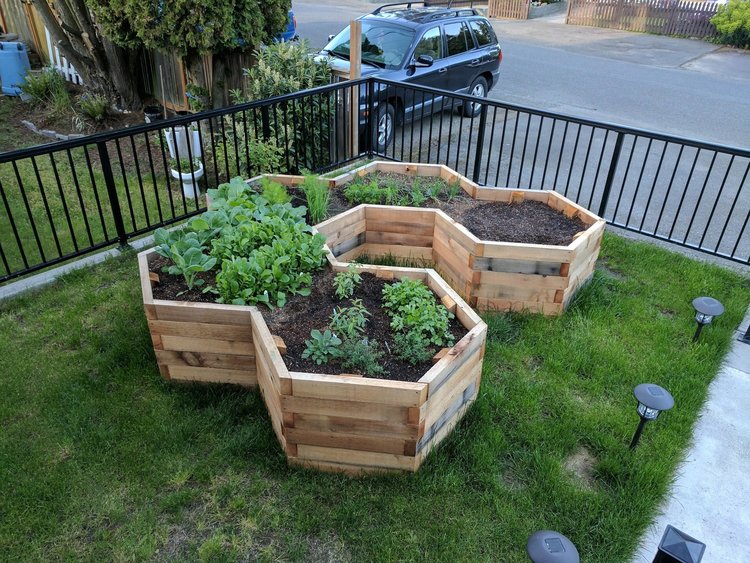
(706, 308)
(652, 399)
(547, 546)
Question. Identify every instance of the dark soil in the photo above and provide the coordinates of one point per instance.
(530, 222)
(174, 288)
(301, 315)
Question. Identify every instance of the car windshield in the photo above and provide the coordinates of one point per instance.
(384, 46)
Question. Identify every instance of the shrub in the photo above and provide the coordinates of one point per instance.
(47, 88)
(732, 21)
(94, 106)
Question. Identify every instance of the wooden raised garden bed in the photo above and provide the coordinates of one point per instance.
(343, 423)
(490, 275)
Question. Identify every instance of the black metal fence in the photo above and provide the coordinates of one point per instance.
(66, 199)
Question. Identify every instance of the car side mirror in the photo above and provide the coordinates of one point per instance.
(424, 61)
(331, 36)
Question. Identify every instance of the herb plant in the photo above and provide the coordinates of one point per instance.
(413, 308)
(349, 322)
(273, 192)
(362, 356)
(318, 197)
(345, 282)
(322, 346)
(412, 347)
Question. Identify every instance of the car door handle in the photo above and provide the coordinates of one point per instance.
(475, 62)
(442, 70)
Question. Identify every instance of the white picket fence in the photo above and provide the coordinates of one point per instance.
(60, 63)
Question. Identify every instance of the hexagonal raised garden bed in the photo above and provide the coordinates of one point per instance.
(343, 423)
(491, 275)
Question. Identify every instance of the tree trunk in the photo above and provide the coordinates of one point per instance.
(105, 68)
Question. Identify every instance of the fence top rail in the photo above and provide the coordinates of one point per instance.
(48, 148)
(697, 143)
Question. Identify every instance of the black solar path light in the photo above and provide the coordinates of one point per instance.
(706, 308)
(652, 399)
(677, 547)
(547, 546)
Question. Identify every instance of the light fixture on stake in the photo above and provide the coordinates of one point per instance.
(706, 308)
(652, 399)
(547, 546)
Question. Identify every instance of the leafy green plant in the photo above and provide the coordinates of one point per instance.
(732, 21)
(362, 356)
(185, 250)
(364, 192)
(454, 188)
(412, 307)
(94, 106)
(434, 190)
(322, 347)
(344, 283)
(274, 192)
(47, 88)
(349, 322)
(412, 347)
(318, 197)
(185, 165)
(417, 196)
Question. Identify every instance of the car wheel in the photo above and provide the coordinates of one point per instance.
(384, 125)
(477, 89)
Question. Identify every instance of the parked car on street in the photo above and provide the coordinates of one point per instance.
(447, 48)
(290, 32)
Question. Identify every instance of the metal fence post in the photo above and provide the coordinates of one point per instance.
(480, 144)
(114, 202)
(266, 123)
(370, 117)
(611, 174)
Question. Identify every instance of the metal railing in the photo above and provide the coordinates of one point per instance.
(63, 200)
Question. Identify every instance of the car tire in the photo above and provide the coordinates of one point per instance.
(479, 89)
(385, 124)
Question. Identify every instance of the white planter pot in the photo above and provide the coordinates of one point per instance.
(190, 187)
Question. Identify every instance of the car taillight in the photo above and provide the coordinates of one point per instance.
(294, 20)
(500, 56)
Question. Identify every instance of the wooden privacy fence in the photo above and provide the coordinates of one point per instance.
(510, 9)
(662, 17)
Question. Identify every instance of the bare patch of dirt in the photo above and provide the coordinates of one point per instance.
(581, 465)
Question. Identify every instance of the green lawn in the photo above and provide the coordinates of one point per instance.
(64, 201)
(100, 459)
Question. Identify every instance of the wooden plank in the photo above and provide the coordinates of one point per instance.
(440, 355)
(337, 234)
(382, 391)
(187, 311)
(206, 359)
(345, 456)
(346, 409)
(346, 469)
(526, 280)
(506, 195)
(212, 375)
(267, 351)
(372, 443)
(280, 344)
(355, 426)
(404, 227)
(466, 316)
(437, 375)
(349, 217)
(521, 251)
(453, 391)
(201, 330)
(187, 344)
(454, 231)
(143, 272)
(388, 213)
(376, 237)
(516, 266)
(448, 303)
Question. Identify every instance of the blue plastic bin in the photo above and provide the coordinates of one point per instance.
(14, 65)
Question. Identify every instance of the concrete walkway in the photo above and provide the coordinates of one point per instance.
(710, 499)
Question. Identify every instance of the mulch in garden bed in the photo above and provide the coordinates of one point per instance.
(294, 322)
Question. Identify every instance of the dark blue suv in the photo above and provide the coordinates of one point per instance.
(442, 47)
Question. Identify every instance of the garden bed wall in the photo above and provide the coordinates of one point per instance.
(330, 422)
(490, 275)
(203, 342)
(353, 424)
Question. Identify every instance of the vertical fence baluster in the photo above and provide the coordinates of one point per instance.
(114, 202)
(15, 231)
(480, 144)
(80, 197)
(731, 209)
(611, 174)
(153, 178)
(140, 180)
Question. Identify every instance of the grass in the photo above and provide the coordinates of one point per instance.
(102, 459)
(64, 201)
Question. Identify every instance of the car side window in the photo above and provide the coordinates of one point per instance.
(483, 32)
(431, 44)
(458, 38)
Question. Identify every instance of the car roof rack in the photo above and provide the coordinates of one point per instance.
(428, 4)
